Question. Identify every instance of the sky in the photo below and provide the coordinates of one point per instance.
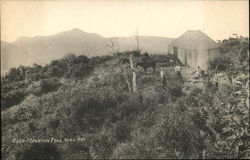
(218, 19)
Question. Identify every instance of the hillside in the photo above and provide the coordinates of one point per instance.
(80, 108)
(75, 103)
(43, 49)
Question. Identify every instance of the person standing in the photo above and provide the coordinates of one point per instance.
(163, 78)
(178, 71)
(197, 72)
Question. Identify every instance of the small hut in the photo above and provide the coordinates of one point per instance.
(194, 48)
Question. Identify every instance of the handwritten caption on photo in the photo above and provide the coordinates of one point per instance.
(47, 140)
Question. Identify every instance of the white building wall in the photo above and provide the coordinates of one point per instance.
(202, 58)
(181, 55)
(171, 50)
(193, 58)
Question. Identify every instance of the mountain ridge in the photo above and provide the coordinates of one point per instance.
(43, 49)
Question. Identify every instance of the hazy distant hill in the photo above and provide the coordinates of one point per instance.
(13, 55)
(43, 49)
(150, 44)
(46, 48)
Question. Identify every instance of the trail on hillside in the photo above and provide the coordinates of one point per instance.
(145, 82)
(98, 73)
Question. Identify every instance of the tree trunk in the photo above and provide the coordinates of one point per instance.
(114, 46)
(124, 75)
(134, 74)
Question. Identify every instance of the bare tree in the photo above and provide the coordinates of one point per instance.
(134, 79)
(137, 41)
(114, 46)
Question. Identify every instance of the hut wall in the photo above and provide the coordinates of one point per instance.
(181, 55)
(171, 50)
(191, 58)
(202, 58)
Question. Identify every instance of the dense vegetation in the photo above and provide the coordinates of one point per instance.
(22, 81)
(79, 97)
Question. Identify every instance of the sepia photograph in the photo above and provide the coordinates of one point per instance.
(124, 79)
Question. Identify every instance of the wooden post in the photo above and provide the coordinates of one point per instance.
(114, 46)
(124, 75)
(134, 74)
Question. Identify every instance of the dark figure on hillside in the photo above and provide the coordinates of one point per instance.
(146, 62)
(146, 65)
(178, 72)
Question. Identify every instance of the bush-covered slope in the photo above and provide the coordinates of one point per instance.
(155, 122)
(91, 107)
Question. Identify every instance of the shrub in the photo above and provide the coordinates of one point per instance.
(220, 64)
(122, 131)
(44, 86)
(102, 147)
(54, 124)
(14, 75)
(176, 133)
(55, 71)
(5, 88)
(40, 151)
(126, 151)
(98, 60)
(12, 98)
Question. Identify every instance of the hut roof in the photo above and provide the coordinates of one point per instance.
(193, 39)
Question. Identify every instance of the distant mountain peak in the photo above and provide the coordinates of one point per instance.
(43, 49)
(76, 30)
(22, 38)
(73, 31)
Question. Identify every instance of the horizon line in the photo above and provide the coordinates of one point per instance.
(108, 36)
